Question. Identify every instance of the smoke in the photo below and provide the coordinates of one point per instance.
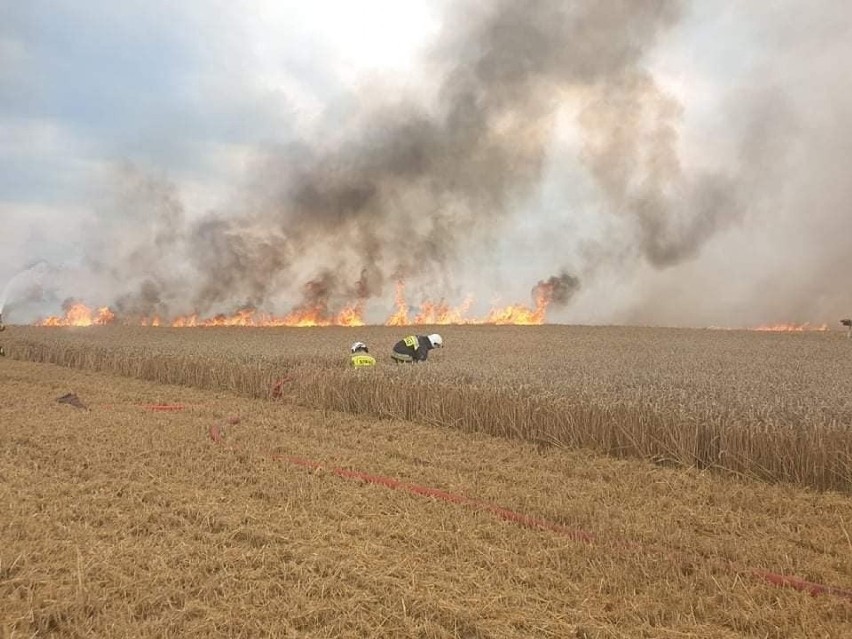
(407, 188)
(134, 249)
(782, 129)
(411, 184)
(557, 289)
(630, 147)
(316, 294)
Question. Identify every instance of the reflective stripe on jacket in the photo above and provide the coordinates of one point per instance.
(360, 360)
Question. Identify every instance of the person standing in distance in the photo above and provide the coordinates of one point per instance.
(415, 348)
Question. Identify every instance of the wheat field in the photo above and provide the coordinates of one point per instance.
(774, 407)
(125, 520)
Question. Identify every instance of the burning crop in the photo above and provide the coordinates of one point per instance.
(318, 313)
(78, 314)
(791, 328)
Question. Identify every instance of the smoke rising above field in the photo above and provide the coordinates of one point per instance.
(557, 289)
(412, 186)
(785, 134)
(423, 183)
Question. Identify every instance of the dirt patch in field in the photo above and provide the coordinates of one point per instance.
(124, 520)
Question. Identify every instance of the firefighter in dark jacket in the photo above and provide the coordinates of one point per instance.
(415, 348)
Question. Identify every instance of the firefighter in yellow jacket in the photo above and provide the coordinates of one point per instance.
(360, 356)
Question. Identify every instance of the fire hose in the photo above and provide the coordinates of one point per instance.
(536, 523)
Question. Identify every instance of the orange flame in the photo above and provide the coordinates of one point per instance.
(78, 314)
(349, 316)
(791, 328)
(443, 313)
(400, 315)
(517, 315)
(429, 312)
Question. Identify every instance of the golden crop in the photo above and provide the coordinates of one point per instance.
(121, 521)
(772, 406)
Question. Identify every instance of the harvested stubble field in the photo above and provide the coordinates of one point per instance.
(119, 521)
(776, 407)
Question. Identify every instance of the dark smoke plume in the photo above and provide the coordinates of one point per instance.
(542, 135)
(316, 295)
(405, 188)
(557, 289)
(415, 185)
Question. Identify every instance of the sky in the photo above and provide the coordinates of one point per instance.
(684, 160)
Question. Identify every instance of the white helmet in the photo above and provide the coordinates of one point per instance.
(436, 340)
(359, 346)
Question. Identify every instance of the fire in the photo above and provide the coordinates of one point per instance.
(242, 317)
(516, 314)
(431, 312)
(777, 328)
(791, 328)
(428, 312)
(400, 315)
(349, 316)
(78, 314)
(443, 313)
(186, 321)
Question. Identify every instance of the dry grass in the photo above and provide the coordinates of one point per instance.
(123, 522)
(776, 407)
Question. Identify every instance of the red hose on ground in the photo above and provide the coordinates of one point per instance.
(813, 589)
(526, 521)
(163, 408)
(415, 489)
(156, 408)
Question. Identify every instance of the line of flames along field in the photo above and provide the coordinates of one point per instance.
(428, 313)
(791, 327)
(77, 313)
